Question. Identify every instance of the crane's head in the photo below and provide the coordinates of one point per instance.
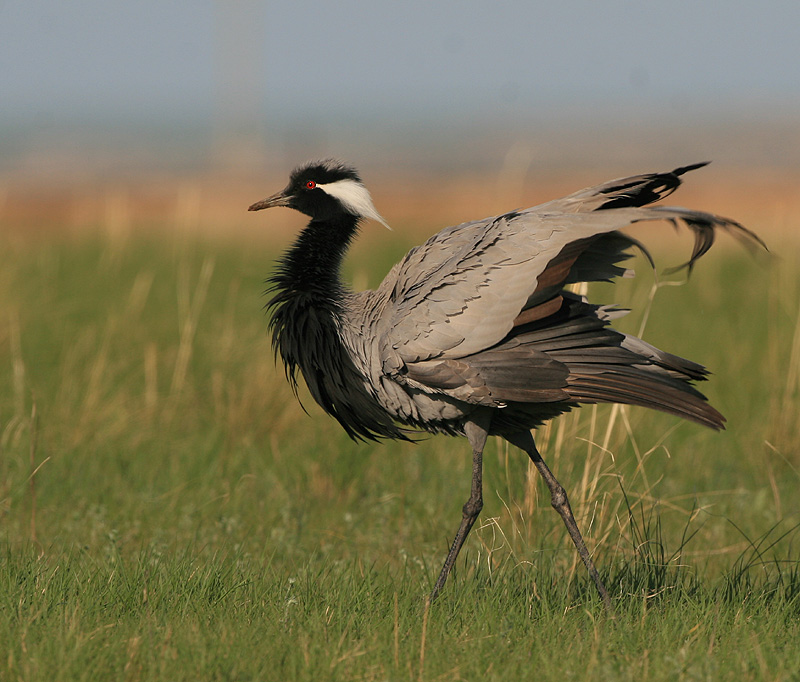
(324, 190)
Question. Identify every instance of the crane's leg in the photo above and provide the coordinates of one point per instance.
(558, 498)
(477, 431)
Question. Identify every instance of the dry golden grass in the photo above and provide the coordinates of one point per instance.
(215, 204)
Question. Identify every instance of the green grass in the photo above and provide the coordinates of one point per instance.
(170, 513)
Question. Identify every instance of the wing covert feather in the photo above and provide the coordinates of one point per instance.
(461, 291)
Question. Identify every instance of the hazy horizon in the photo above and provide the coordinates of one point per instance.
(183, 84)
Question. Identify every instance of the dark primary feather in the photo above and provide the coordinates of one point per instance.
(643, 189)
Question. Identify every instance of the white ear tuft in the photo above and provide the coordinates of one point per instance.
(355, 198)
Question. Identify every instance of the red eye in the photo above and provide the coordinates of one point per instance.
(311, 184)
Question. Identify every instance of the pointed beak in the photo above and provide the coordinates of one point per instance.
(279, 199)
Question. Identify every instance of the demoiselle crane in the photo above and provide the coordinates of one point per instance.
(473, 333)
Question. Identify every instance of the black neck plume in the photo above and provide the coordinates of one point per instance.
(311, 266)
(308, 307)
(307, 295)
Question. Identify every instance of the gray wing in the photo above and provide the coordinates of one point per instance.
(468, 286)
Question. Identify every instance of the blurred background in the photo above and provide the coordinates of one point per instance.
(184, 112)
(142, 415)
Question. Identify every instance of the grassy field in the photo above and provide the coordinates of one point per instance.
(170, 513)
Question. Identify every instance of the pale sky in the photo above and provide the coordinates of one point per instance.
(173, 61)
